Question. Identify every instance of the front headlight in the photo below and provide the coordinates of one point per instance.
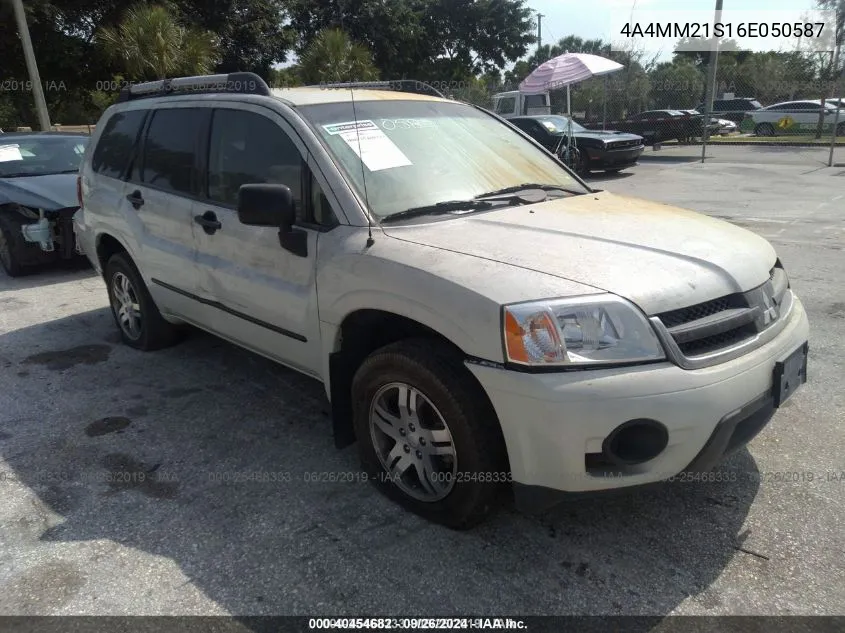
(597, 329)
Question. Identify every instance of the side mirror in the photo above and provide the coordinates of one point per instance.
(272, 205)
(266, 205)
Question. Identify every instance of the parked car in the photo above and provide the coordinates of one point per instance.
(656, 125)
(733, 109)
(792, 117)
(722, 127)
(479, 316)
(38, 198)
(597, 150)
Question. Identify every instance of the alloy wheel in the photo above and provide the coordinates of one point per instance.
(413, 442)
(125, 305)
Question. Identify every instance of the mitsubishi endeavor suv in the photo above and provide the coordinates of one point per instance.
(481, 319)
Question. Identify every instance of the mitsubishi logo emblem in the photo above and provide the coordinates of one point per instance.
(770, 309)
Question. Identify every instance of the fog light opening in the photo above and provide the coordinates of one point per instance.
(635, 442)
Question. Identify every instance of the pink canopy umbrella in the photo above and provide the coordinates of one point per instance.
(567, 69)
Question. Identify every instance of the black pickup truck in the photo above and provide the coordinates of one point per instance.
(656, 125)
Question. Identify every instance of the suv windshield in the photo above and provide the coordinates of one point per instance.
(40, 155)
(421, 153)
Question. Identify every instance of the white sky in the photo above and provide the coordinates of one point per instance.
(569, 17)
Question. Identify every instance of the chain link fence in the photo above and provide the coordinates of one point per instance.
(768, 107)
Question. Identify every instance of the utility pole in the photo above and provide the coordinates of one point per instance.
(711, 83)
(840, 76)
(540, 17)
(31, 66)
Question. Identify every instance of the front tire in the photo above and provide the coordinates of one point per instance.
(583, 163)
(11, 245)
(427, 435)
(135, 313)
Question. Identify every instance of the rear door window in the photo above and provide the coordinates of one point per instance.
(170, 149)
(116, 143)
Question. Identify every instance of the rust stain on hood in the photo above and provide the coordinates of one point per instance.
(659, 256)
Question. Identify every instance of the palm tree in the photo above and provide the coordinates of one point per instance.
(149, 43)
(334, 57)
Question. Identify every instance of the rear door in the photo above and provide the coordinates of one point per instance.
(265, 297)
(163, 183)
(104, 178)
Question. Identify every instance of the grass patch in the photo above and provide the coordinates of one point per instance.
(804, 139)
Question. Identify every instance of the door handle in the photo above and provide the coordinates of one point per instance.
(209, 222)
(136, 199)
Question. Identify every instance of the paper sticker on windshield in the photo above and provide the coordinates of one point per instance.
(551, 127)
(376, 150)
(10, 152)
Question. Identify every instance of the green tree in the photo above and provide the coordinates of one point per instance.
(252, 34)
(334, 57)
(390, 29)
(150, 43)
(287, 77)
(517, 74)
(435, 40)
(472, 36)
(676, 85)
(69, 66)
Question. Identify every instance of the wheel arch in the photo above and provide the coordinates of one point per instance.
(360, 333)
(107, 245)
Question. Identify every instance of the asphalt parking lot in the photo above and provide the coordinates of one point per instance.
(76, 405)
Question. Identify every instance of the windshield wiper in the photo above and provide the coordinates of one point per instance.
(23, 174)
(448, 206)
(528, 186)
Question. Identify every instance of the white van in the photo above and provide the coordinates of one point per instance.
(516, 103)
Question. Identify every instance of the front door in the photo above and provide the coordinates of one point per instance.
(265, 297)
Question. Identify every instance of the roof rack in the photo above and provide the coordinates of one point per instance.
(399, 85)
(240, 83)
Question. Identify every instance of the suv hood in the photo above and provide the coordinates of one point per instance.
(658, 256)
(48, 192)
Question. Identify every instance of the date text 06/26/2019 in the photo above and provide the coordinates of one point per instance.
(723, 29)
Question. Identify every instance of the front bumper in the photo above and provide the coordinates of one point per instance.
(614, 159)
(551, 422)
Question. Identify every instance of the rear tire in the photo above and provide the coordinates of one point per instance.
(764, 129)
(464, 460)
(11, 247)
(135, 313)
